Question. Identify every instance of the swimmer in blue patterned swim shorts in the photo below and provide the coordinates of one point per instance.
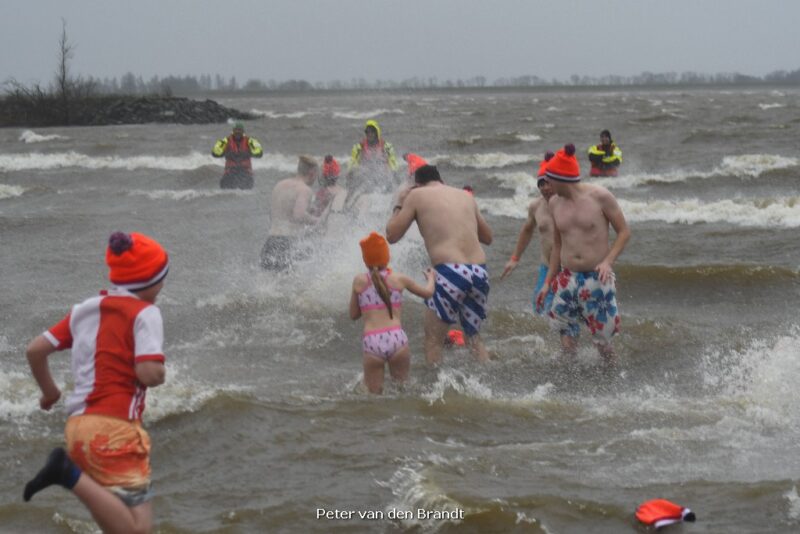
(453, 229)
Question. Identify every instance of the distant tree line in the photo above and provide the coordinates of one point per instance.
(136, 85)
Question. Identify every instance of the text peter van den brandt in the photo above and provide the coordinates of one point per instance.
(394, 513)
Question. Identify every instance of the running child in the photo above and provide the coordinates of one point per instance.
(116, 340)
(377, 296)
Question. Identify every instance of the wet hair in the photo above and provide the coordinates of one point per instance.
(605, 133)
(427, 173)
(381, 288)
(306, 164)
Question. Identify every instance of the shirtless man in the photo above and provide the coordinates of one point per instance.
(289, 216)
(538, 216)
(585, 289)
(453, 229)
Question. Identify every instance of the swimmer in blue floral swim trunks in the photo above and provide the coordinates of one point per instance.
(453, 229)
(585, 288)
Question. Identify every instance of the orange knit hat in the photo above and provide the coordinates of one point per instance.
(375, 250)
(543, 166)
(564, 167)
(330, 168)
(135, 261)
(414, 162)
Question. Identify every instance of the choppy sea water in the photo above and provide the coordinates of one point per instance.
(262, 422)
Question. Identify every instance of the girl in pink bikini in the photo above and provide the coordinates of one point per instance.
(378, 297)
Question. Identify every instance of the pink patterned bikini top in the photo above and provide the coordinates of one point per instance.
(369, 299)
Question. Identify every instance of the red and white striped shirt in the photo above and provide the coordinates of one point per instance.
(109, 334)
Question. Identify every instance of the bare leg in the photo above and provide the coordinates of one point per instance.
(435, 332)
(569, 346)
(108, 510)
(399, 364)
(607, 353)
(477, 348)
(373, 373)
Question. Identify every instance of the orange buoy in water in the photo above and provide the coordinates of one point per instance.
(661, 512)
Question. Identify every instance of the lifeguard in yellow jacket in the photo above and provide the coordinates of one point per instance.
(237, 149)
(605, 157)
(373, 150)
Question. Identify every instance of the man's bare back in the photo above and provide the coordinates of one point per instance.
(453, 229)
(448, 220)
(288, 206)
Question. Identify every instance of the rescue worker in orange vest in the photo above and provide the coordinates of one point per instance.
(237, 149)
(605, 157)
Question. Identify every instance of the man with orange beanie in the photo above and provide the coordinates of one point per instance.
(538, 216)
(116, 340)
(585, 288)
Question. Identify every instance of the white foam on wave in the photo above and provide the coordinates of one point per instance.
(182, 393)
(754, 165)
(194, 160)
(188, 194)
(780, 212)
(525, 190)
(486, 161)
(762, 379)
(793, 499)
(413, 487)
(279, 115)
(454, 380)
(773, 105)
(10, 191)
(529, 137)
(365, 115)
(19, 396)
(29, 136)
(741, 166)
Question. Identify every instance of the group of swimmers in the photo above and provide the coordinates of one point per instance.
(116, 338)
(576, 283)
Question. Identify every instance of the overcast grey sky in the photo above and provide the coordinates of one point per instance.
(377, 39)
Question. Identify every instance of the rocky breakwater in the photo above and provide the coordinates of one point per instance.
(104, 110)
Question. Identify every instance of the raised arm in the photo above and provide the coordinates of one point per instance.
(355, 309)
(424, 292)
(403, 214)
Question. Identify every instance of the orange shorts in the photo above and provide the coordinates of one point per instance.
(114, 452)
